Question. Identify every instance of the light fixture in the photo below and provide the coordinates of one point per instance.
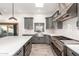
(12, 13)
(39, 4)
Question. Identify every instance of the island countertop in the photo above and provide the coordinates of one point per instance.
(11, 44)
(74, 47)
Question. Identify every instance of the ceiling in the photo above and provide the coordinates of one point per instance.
(28, 8)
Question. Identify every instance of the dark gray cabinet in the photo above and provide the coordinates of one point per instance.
(71, 52)
(27, 48)
(40, 40)
(77, 23)
(50, 24)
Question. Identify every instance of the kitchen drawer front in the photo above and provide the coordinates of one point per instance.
(28, 49)
(58, 45)
(28, 46)
(19, 53)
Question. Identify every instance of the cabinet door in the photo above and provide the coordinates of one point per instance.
(35, 40)
(27, 49)
(47, 38)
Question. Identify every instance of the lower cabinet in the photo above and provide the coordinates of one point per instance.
(27, 48)
(41, 40)
(58, 47)
(19, 53)
(55, 49)
(71, 52)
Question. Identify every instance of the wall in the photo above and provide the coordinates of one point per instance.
(69, 29)
(38, 18)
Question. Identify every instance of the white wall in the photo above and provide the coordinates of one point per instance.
(69, 29)
(38, 18)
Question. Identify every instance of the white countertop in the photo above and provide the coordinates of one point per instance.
(11, 44)
(74, 47)
(72, 44)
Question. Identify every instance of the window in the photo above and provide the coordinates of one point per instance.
(28, 22)
(49, 23)
(39, 27)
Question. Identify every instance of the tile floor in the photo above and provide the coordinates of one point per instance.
(41, 50)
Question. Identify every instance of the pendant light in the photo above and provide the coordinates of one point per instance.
(12, 13)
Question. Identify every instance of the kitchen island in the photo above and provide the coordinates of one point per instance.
(10, 45)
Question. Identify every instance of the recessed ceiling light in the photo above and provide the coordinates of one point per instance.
(39, 4)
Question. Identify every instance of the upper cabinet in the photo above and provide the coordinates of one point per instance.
(64, 12)
(67, 11)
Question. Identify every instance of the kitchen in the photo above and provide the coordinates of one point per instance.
(33, 29)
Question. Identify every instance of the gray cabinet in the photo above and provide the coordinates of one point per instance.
(71, 53)
(68, 12)
(40, 40)
(27, 48)
(53, 24)
(77, 23)
(58, 46)
(28, 22)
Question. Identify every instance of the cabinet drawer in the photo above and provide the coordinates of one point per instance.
(58, 45)
(27, 52)
(27, 49)
(28, 46)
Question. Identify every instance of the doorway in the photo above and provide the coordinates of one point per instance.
(8, 29)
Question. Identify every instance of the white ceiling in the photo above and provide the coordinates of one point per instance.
(23, 8)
